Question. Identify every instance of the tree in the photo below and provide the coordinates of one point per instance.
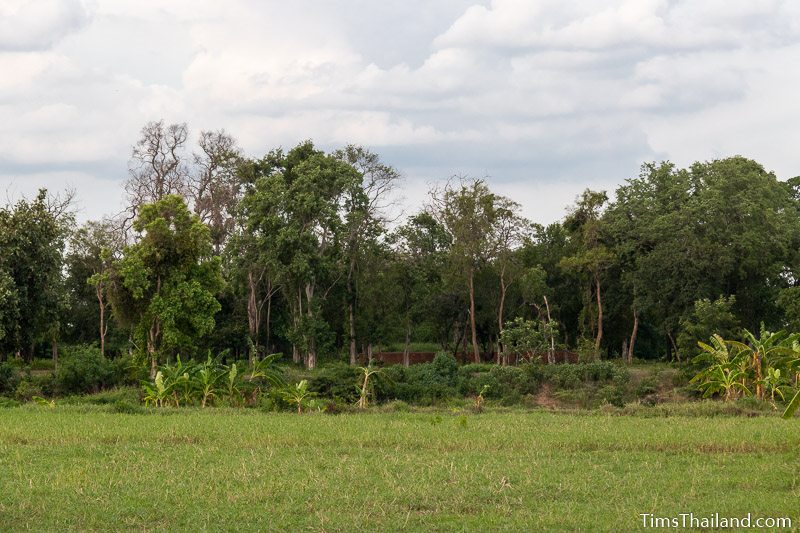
(214, 186)
(157, 167)
(164, 286)
(508, 232)
(32, 237)
(298, 202)
(93, 249)
(593, 257)
(421, 246)
(468, 211)
(364, 219)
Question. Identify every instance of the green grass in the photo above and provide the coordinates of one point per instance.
(85, 468)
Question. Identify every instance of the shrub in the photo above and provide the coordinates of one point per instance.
(9, 378)
(26, 390)
(611, 394)
(127, 407)
(337, 380)
(83, 369)
(646, 387)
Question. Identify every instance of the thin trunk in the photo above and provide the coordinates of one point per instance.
(103, 328)
(352, 332)
(500, 313)
(476, 356)
(253, 317)
(551, 354)
(369, 354)
(295, 350)
(674, 347)
(269, 313)
(599, 338)
(151, 348)
(311, 358)
(54, 351)
(633, 336)
(351, 311)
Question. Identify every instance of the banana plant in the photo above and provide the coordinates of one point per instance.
(765, 351)
(722, 379)
(158, 392)
(180, 376)
(232, 384)
(298, 395)
(794, 403)
(206, 380)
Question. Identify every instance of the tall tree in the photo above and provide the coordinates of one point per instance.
(32, 237)
(305, 190)
(468, 211)
(214, 185)
(93, 248)
(165, 284)
(593, 257)
(366, 202)
(157, 167)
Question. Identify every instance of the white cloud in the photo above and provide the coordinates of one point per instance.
(38, 24)
(545, 97)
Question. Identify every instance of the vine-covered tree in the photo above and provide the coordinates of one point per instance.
(164, 286)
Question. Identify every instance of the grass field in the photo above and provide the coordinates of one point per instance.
(81, 468)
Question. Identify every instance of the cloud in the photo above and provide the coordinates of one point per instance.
(38, 24)
(544, 98)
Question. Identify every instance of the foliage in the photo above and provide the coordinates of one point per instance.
(83, 369)
(760, 367)
(164, 285)
(187, 383)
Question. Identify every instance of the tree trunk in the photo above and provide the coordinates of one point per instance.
(151, 348)
(253, 313)
(295, 350)
(103, 328)
(599, 338)
(351, 311)
(635, 331)
(369, 354)
(311, 359)
(352, 332)
(269, 313)
(551, 354)
(476, 356)
(674, 347)
(500, 309)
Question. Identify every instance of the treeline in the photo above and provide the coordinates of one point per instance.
(295, 252)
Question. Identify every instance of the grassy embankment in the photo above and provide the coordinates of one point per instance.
(84, 468)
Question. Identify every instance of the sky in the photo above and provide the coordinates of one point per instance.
(542, 98)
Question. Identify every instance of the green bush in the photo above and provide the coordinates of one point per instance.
(9, 378)
(127, 407)
(336, 381)
(26, 390)
(421, 384)
(646, 387)
(611, 394)
(83, 369)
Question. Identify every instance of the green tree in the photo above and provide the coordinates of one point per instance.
(468, 211)
(32, 238)
(164, 286)
(593, 257)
